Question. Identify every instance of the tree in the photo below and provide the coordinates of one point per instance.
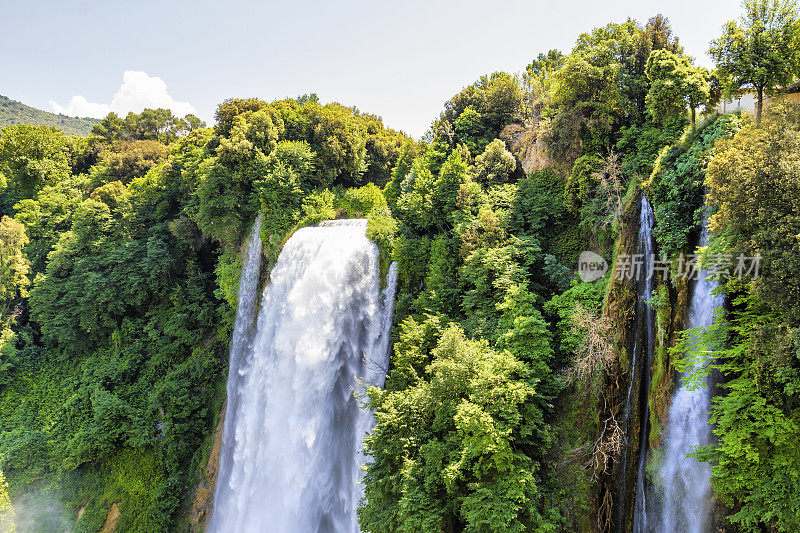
(384, 148)
(127, 160)
(157, 124)
(495, 165)
(31, 157)
(193, 123)
(447, 451)
(580, 183)
(502, 99)
(754, 184)
(446, 187)
(544, 64)
(477, 114)
(468, 129)
(675, 84)
(415, 202)
(111, 128)
(656, 35)
(339, 139)
(47, 216)
(151, 124)
(14, 266)
(228, 110)
(762, 52)
(597, 87)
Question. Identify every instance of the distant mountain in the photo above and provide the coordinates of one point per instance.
(13, 112)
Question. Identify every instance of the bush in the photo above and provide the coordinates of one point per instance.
(677, 185)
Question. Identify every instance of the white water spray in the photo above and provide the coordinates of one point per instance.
(293, 456)
(243, 330)
(687, 492)
(646, 221)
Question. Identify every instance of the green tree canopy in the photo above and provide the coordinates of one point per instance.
(754, 183)
(14, 265)
(495, 165)
(762, 51)
(674, 84)
(446, 452)
(31, 157)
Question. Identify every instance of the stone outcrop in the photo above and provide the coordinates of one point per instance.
(203, 501)
(525, 144)
(112, 519)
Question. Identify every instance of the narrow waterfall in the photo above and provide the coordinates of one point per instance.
(240, 340)
(294, 427)
(687, 492)
(644, 349)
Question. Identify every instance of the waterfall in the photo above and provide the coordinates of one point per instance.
(295, 427)
(687, 492)
(644, 348)
(240, 342)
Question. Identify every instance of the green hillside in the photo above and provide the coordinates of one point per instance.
(13, 112)
(595, 327)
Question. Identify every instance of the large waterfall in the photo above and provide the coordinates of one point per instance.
(293, 427)
(687, 492)
(644, 349)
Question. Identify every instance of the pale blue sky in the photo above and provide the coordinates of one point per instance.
(398, 60)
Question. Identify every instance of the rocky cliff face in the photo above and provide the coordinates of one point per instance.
(202, 504)
(525, 144)
(110, 525)
(620, 402)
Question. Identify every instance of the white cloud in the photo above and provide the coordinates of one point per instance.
(137, 92)
(78, 106)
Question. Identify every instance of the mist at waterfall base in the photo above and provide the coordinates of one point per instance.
(687, 491)
(293, 431)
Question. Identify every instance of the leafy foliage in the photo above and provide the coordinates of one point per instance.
(678, 183)
(31, 157)
(761, 51)
(450, 439)
(674, 84)
(14, 266)
(120, 260)
(755, 462)
(753, 184)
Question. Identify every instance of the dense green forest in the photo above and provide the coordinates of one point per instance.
(13, 112)
(120, 255)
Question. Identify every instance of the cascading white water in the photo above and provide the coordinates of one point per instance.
(240, 344)
(687, 492)
(296, 429)
(646, 220)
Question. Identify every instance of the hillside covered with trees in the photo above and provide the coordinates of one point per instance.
(13, 113)
(120, 255)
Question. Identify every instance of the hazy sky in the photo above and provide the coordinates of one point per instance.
(400, 60)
